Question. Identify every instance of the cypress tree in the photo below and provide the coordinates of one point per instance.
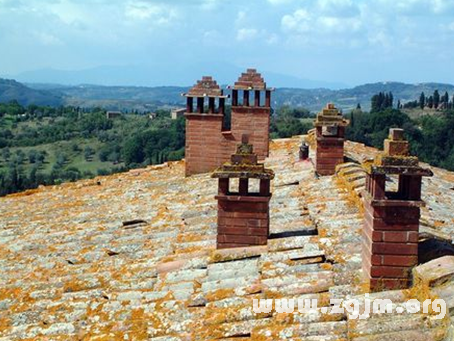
(436, 99)
(446, 100)
(381, 100)
(375, 103)
(422, 100)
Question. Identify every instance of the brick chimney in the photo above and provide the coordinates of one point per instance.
(203, 126)
(251, 112)
(243, 214)
(391, 227)
(330, 132)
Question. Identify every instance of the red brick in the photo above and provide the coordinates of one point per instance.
(390, 272)
(395, 237)
(379, 284)
(394, 249)
(380, 224)
(393, 260)
(374, 236)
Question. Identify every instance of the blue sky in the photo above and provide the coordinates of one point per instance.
(344, 41)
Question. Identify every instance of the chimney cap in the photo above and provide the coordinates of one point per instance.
(206, 87)
(244, 164)
(396, 134)
(330, 116)
(250, 80)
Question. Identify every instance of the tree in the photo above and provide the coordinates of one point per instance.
(358, 106)
(88, 153)
(422, 100)
(445, 100)
(32, 156)
(41, 157)
(20, 156)
(61, 160)
(430, 102)
(103, 154)
(436, 99)
(374, 104)
(6, 154)
(133, 151)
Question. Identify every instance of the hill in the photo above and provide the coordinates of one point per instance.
(314, 99)
(158, 74)
(143, 98)
(12, 90)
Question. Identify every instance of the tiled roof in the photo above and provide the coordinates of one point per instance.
(250, 80)
(207, 86)
(132, 257)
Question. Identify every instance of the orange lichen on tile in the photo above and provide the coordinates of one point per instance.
(71, 269)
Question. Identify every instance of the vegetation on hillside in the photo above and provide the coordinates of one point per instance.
(49, 145)
(45, 145)
(12, 90)
(430, 137)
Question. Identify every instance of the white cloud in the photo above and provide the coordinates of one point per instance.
(279, 2)
(333, 24)
(210, 4)
(141, 10)
(244, 34)
(381, 39)
(299, 21)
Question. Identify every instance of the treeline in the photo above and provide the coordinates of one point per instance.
(434, 101)
(430, 137)
(382, 101)
(288, 121)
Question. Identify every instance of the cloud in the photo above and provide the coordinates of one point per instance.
(279, 2)
(299, 21)
(339, 25)
(210, 4)
(92, 32)
(244, 34)
(141, 10)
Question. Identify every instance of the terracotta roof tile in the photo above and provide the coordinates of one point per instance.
(72, 270)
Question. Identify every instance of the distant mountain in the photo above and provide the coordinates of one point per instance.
(143, 98)
(12, 90)
(160, 74)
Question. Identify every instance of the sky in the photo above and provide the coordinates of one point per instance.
(345, 41)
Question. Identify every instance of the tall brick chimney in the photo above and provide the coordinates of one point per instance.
(391, 227)
(243, 215)
(204, 126)
(251, 113)
(330, 132)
